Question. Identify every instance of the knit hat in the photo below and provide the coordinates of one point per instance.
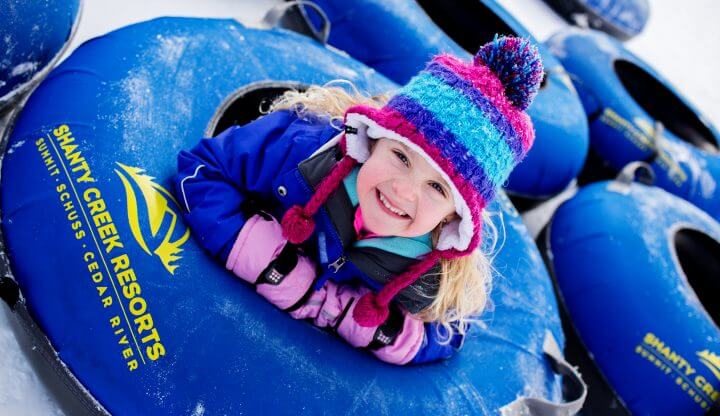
(468, 121)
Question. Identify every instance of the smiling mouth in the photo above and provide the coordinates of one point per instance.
(388, 208)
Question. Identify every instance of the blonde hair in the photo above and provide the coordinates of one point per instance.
(465, 282)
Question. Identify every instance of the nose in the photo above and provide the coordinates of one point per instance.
(405, 189)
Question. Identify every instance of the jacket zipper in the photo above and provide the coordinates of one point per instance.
(337, 264)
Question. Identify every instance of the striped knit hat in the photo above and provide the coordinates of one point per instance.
(468, 121)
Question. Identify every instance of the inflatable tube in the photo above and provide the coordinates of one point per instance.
(420, 30)
(622, 19)
(625, 99)
(637, 269)
(140, 318)
(33, 36)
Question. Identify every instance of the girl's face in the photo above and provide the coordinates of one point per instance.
(417, 196)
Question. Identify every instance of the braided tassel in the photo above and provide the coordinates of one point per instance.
(297, 223)
(372, 310)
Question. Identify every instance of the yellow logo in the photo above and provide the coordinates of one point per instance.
(644, 125)
(711, 361)
(158, 207)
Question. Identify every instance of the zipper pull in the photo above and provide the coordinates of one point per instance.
(337, 264)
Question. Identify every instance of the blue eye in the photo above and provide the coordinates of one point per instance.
(402, 158)
(438, 187)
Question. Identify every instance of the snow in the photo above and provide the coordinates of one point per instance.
(199, 410)
(681, 153)
(678, 41)
(15, 146)
(102, 16)
(21, 392)
(23, 68)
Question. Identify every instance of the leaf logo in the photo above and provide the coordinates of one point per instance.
(158, 203)
(711, 361)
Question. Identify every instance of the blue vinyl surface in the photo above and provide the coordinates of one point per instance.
(621, 131)
(615, 261)
(32, 33)
(143, 317)
(628, 16)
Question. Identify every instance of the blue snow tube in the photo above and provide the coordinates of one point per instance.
(397, 37)
(33, 35)
(638, 272)
(144, 320)
(625, 99)
(622, 19)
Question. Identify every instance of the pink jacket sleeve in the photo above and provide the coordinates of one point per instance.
(260, 242)
(332, 306)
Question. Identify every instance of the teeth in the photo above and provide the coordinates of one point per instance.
(390, 207)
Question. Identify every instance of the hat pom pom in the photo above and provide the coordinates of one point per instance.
(368, 312)
(517, 63)
(296, 226)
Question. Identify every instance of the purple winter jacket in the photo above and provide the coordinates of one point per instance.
(268, 164)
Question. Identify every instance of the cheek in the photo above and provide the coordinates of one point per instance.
(362, 184)
(368, 177)
(435, 210)
(442, 204)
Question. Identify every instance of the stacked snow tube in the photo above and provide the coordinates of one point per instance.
(398, 37)
(637, 269)
(33, 35)
(627, 102)
(622, 19)
(139, 319)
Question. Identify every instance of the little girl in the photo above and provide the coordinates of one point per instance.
(382, 221)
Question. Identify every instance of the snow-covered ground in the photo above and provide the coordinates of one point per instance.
(680, 41)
